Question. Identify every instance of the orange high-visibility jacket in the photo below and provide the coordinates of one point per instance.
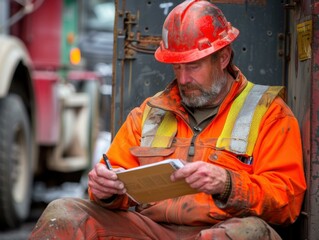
(271, 187)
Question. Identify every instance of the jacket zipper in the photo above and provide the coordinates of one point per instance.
(196, 130)
(191, 150)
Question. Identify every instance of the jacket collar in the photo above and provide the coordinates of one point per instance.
(170, 99)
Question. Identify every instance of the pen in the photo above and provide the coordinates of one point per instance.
(107, 162)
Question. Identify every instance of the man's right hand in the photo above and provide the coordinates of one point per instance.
(104, 183)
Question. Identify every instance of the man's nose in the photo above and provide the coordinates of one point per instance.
(183, 76)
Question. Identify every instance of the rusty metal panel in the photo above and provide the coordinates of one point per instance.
(313, 164)
(137, 75)
(303, 95)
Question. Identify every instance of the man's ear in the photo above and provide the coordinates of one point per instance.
(224, 56)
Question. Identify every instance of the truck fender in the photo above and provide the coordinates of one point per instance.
(12, 52)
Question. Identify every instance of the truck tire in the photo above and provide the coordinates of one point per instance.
(15, 162)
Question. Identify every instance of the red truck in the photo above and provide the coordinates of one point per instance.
(48, 101)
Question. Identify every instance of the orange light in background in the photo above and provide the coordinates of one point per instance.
(75, 56)
(70, 38)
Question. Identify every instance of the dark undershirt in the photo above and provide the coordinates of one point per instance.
(201, 117)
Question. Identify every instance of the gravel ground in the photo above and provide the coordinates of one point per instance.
(23, 232)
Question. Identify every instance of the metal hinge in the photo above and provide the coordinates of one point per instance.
(132, 41)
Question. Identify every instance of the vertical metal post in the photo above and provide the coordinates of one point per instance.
(4, 15)
(313, 188)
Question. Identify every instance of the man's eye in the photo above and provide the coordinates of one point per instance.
(176, 67)
(193, 67)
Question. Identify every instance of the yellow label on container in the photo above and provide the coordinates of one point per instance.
(304, 35)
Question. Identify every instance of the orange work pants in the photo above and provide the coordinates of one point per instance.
(81, 219)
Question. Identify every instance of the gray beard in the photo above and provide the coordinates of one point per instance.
(207, 97)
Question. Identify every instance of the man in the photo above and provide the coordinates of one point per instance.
(240, 143)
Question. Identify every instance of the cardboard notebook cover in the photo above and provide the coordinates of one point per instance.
(151, 183)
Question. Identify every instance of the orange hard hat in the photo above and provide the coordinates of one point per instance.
(194, 29)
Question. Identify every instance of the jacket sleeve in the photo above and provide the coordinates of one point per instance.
(119, 153)
(275, 189)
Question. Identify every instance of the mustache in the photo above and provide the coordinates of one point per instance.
(190, 86)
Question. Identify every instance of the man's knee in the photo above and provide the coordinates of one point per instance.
(60, 218)
(62, 211)
(249, 228)
(60, 206)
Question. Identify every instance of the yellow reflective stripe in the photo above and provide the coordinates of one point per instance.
(147, 110)
(166, 131)
(152, 122)
(225, 137)
(260, 110)
(167, 128)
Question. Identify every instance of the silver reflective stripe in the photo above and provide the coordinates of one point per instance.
(239, 138)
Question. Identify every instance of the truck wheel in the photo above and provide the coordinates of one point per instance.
(15, 162)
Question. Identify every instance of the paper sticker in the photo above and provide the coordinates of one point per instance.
(304, 35)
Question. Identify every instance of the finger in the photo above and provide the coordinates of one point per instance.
(186, 171)
(118, 170)
(103, 182)
(203, 185)
(110, 187)
(103, 194)
(202, 172)
(102, 171)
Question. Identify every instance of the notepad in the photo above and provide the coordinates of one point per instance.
(151, 182)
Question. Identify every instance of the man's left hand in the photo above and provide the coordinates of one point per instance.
(204, 177)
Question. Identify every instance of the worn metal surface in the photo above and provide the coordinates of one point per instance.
(137, 75)
(313, 164)
(258, 50)
(4, 13)
(303, 95)
(260, 45)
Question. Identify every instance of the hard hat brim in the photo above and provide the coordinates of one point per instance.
(165, 56)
